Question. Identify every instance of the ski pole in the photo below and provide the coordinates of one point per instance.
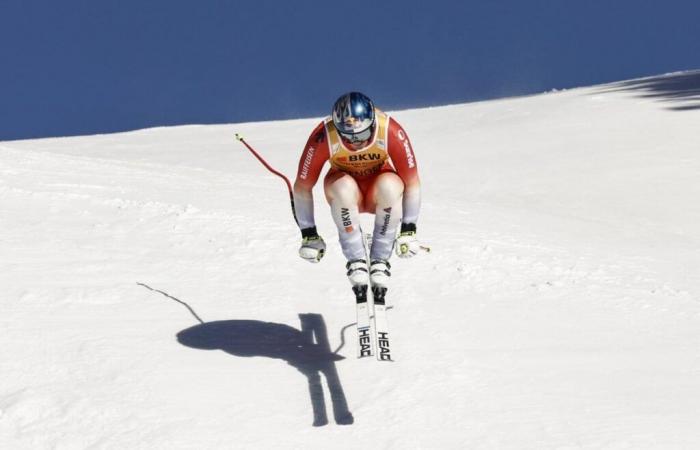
(271, 169)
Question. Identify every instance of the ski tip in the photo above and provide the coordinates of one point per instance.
(239, 137)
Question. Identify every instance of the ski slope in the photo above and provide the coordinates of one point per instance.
(153, 297)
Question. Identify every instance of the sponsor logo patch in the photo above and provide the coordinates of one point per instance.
(407, 148)
(345, 217)
(364, 172)
(365, 157)
(307, 163)
(387, 218)
(320, 136)
(365, 342)
(383, 344)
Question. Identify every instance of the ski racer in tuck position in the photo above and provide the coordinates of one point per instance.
(373, 170)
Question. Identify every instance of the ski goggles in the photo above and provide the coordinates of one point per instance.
(364, 135)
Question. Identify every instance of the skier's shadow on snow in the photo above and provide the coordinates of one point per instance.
(681, 90)
(307, 350)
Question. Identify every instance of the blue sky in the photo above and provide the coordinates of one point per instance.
(82, 67)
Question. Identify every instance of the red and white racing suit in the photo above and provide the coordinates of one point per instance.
(389, 150)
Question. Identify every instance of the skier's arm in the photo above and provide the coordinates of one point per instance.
(401, 153)
(312, 159)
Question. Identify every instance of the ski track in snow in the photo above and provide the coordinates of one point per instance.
(559, 309)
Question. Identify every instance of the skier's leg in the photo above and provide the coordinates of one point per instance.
(384, 197)
(344, 197)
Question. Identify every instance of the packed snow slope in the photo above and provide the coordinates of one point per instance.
(152, 296)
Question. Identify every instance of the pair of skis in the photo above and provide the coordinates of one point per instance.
(369, 333)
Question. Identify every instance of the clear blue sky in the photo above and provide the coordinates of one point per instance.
(80, 67)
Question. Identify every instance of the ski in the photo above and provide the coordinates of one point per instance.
(372, 324)
(364, 334)
(381, 325)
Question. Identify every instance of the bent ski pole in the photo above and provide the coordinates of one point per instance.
(271, 169)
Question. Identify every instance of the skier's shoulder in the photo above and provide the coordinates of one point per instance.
(318, 135)
(317, 145)
(397, 136)
(395, 129)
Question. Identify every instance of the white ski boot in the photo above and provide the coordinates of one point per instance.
(357, 272)
(379, 273)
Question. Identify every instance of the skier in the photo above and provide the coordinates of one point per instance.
(373, 170)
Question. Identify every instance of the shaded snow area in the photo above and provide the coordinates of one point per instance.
(152, 296)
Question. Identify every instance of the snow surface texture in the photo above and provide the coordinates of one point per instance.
(559, 308)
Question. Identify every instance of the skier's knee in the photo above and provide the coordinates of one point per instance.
(388, 189)
(343, 189)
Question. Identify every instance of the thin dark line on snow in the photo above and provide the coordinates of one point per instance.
(176, 299)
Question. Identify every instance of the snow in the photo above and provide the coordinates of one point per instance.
(153, 297)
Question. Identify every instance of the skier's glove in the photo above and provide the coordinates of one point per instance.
(312, 245)
(407, 244)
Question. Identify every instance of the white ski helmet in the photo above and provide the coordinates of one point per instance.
(353, 117)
